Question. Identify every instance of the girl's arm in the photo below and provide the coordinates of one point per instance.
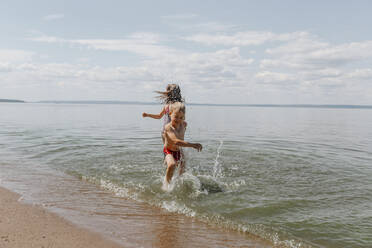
(183, 143)
(178, 142)
(155, 116)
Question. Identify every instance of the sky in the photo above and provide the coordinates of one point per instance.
(223, 52)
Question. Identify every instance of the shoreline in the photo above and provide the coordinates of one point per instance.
(25, 225)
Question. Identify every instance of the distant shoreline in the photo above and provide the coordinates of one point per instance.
(333, 106)
(12, 100)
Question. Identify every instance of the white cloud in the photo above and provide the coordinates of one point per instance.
(53, 17)
(327, 73)
(298, 44)
(344, 53)
(48, 39)
(145, 44)
(147, 37)
(13, 56)
(221, 68)
(307, 53)
(268, 77)
(361, 74)
(323, 69)
(246, 38)
(76, 81)
(5, 67)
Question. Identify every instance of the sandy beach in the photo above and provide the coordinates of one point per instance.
(27, 225)
(24, 225)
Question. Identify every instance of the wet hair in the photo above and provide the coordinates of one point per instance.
(172, 94)
(178, 107)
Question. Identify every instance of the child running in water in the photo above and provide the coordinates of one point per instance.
(174, 133)
(171, 95)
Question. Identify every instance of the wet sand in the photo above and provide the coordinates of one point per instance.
(27, 225)
(24, 225)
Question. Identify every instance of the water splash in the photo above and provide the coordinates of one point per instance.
(217, 170)
(168, 186)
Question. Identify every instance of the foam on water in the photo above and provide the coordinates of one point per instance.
(174, 207)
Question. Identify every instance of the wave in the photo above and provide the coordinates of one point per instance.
(187, 189)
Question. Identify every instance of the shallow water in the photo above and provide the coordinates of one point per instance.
(295, 177)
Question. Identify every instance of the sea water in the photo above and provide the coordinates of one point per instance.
(294, 177)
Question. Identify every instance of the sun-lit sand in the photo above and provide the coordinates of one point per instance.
(23, 225)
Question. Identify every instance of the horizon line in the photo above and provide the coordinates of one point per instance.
(359, 106)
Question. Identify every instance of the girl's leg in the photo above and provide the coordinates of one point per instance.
(171, 165)
(182, 163)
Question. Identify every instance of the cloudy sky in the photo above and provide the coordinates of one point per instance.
(284, 52)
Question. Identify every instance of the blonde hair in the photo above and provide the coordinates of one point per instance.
(171, 95)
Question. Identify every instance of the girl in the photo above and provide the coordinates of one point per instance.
(171, 95)
(174, 134)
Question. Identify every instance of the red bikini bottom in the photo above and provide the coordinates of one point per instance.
(176, 154)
